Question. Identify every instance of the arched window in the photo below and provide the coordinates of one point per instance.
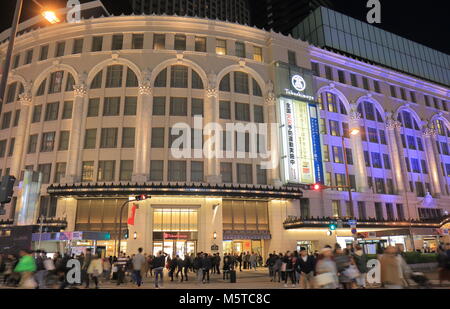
(41, 90)
(161, 79)
(256, 88)
(97, 81)
(197, 82)
(179, 76)
(332, 103)
(225, 83)
(55, 82)
(70, 82)
(132, 80)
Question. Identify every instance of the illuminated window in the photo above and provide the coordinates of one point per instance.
(221, 47)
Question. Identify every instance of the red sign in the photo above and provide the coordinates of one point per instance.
(175, 236)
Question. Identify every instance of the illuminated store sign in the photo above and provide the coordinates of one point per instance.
(299, 122)
(301, 159)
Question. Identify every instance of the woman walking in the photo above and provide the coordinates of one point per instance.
(326, 270)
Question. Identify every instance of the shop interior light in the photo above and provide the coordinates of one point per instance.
(51, 17)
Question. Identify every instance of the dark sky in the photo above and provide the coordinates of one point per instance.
(428, 23)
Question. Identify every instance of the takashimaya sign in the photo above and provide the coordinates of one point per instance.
(299, 84)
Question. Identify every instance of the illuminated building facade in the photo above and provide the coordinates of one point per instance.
(91, 106)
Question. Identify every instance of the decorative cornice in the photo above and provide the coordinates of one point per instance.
(392, 124)
(270, 98)
(355, 116)
(79, 90)
(145, 89)
(212, 92)
(429, 132)
(25, 99)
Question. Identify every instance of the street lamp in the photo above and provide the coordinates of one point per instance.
(49, 15)
(354, 131)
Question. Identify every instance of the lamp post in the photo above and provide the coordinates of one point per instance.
(353, 131)
(49, 15)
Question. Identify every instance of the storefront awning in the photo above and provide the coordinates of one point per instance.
(252, 235)
(81, 190)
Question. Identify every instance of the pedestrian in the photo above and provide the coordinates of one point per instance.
(326, 270)
(95, 269)
(289, 261)
(26, 267)
(392, 269)
(106, 268)
(342, 263)
(206, 267)
(305, 266)
(86, 262)
(158, 266)
(41, 272)
(253, 260)
(444, 263)
(240, 259)
(187, 265)
(180, 266)
(138, 264)
(121, 268)
(361, 263)
(277, 267)
(198, 261)
(218, 260)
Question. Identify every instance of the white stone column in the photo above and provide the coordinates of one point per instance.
(143, 127)
(211, 112)
(73, 160)
(21, 133)
(358, 153)
(434, 162)
(397, 156)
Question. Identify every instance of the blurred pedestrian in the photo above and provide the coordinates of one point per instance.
(392, 269)
(95, 269)
(361, 263)
(26, 267)
(138, 264)
(326, 270)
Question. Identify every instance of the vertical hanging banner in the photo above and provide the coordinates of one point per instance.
(299, 125)
(317, 150)
(133, 214)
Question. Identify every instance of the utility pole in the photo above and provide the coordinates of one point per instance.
(12, 38)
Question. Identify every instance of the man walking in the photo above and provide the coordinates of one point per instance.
(86, 263)
(158, 266)
(305, 266)
(138, 264)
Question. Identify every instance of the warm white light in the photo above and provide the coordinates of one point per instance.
(51, 17)
(354, 131)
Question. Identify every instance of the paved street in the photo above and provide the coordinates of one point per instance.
(245, 280)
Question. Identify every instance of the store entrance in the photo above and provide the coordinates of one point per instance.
(175, 247)
(243, 246)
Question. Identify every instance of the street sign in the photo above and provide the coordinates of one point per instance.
(354, 231)
(445, 231)
(352, 222)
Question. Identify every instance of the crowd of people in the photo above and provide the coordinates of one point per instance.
(329, 268)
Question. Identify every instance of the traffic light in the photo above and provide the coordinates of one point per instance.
(142, 197)
(332, 226)
(126, 235)
(316, 187)
(7, 189)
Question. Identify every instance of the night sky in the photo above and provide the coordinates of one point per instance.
(426, 24)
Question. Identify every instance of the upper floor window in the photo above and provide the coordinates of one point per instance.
(200, 44)
(60, 49)
(117, 42)
(257, 53)
(97, 43)
(159, 41)
(137, 41)
(77, 46)
(180, 42)
(221, 47)
(292, 58)
(240, 49)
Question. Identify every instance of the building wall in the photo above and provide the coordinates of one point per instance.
(147, 63)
